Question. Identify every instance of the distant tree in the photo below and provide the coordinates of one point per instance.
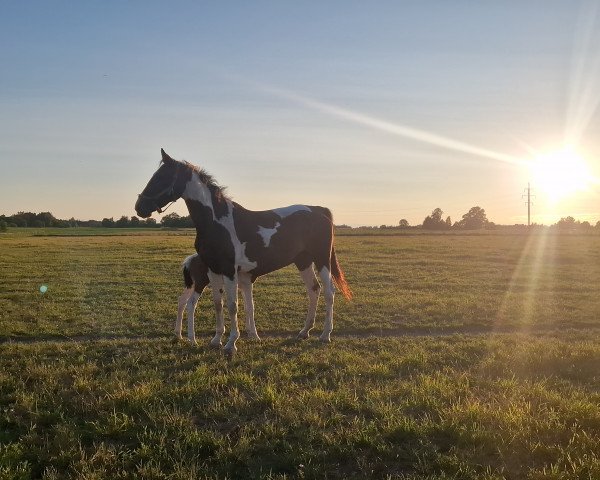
(434, 221)
(448, 222)
(403, 223)
(436, 215)
(3, 225)
(172, 220)
(21, 219)
(46, 219)
(134, 222)
(598, 224)
(150, 222)
(474, 219)
(108, 222)
(585, 225)
(122, 222)
(567, 224)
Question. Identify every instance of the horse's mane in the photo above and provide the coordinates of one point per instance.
(218, 191)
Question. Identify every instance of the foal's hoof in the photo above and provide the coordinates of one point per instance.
(215, 343)
(325, 338)
(303, 335)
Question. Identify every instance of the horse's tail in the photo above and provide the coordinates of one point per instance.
(336, 271)
(338, 276)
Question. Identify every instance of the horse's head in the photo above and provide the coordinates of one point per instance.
(165, 186)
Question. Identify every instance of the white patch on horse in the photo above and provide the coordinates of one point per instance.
(197, 190)
(267, 233)
(287, 211)
(242, 262)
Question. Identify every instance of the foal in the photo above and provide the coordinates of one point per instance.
(195, 279)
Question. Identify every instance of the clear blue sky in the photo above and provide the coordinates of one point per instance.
(283, 103)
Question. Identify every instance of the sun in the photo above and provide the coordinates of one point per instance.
(560, 174)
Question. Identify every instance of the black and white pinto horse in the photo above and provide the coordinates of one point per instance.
(240, 245)
(195, 279)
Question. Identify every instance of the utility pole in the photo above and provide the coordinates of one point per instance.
(528, 203)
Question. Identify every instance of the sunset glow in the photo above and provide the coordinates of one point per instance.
(560, 174)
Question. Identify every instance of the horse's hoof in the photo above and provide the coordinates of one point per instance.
(303, 335)
(325, 338)
(254, 337)
(230, 350)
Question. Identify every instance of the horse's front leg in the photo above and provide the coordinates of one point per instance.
(216, 283)
(245, 282)
(231, 289)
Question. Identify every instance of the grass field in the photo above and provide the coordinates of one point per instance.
(461, 356)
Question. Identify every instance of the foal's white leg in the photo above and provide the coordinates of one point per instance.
(231, 287)
(216, 284)
(329, 291)
(183, 299)
(245, 282)
(312, 289)
(191, 312)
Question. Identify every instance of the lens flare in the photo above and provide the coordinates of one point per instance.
(561, 173)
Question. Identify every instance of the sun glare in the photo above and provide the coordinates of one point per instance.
(560, 174)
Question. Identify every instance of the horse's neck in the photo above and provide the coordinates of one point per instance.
(202, 205)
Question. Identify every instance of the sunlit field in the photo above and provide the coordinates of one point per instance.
(461, 356)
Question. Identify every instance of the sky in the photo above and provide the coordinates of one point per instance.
(380, 110)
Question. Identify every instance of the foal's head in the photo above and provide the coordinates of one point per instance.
(165, 186)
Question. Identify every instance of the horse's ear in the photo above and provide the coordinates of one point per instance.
(165, 157)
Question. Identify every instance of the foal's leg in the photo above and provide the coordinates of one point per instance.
(245, 282)
(183, 299)
(231, 287)
(329, 292)
(216, 283)
(191, 312)
(200, 283)
(312, 289)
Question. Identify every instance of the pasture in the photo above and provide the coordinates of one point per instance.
(461, 356)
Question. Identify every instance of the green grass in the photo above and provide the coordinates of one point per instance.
(130, 283)
(514, 393)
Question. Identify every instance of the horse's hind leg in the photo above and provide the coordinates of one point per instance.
(312, 289)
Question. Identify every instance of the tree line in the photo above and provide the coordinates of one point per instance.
(46, 219)
(474, 219)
